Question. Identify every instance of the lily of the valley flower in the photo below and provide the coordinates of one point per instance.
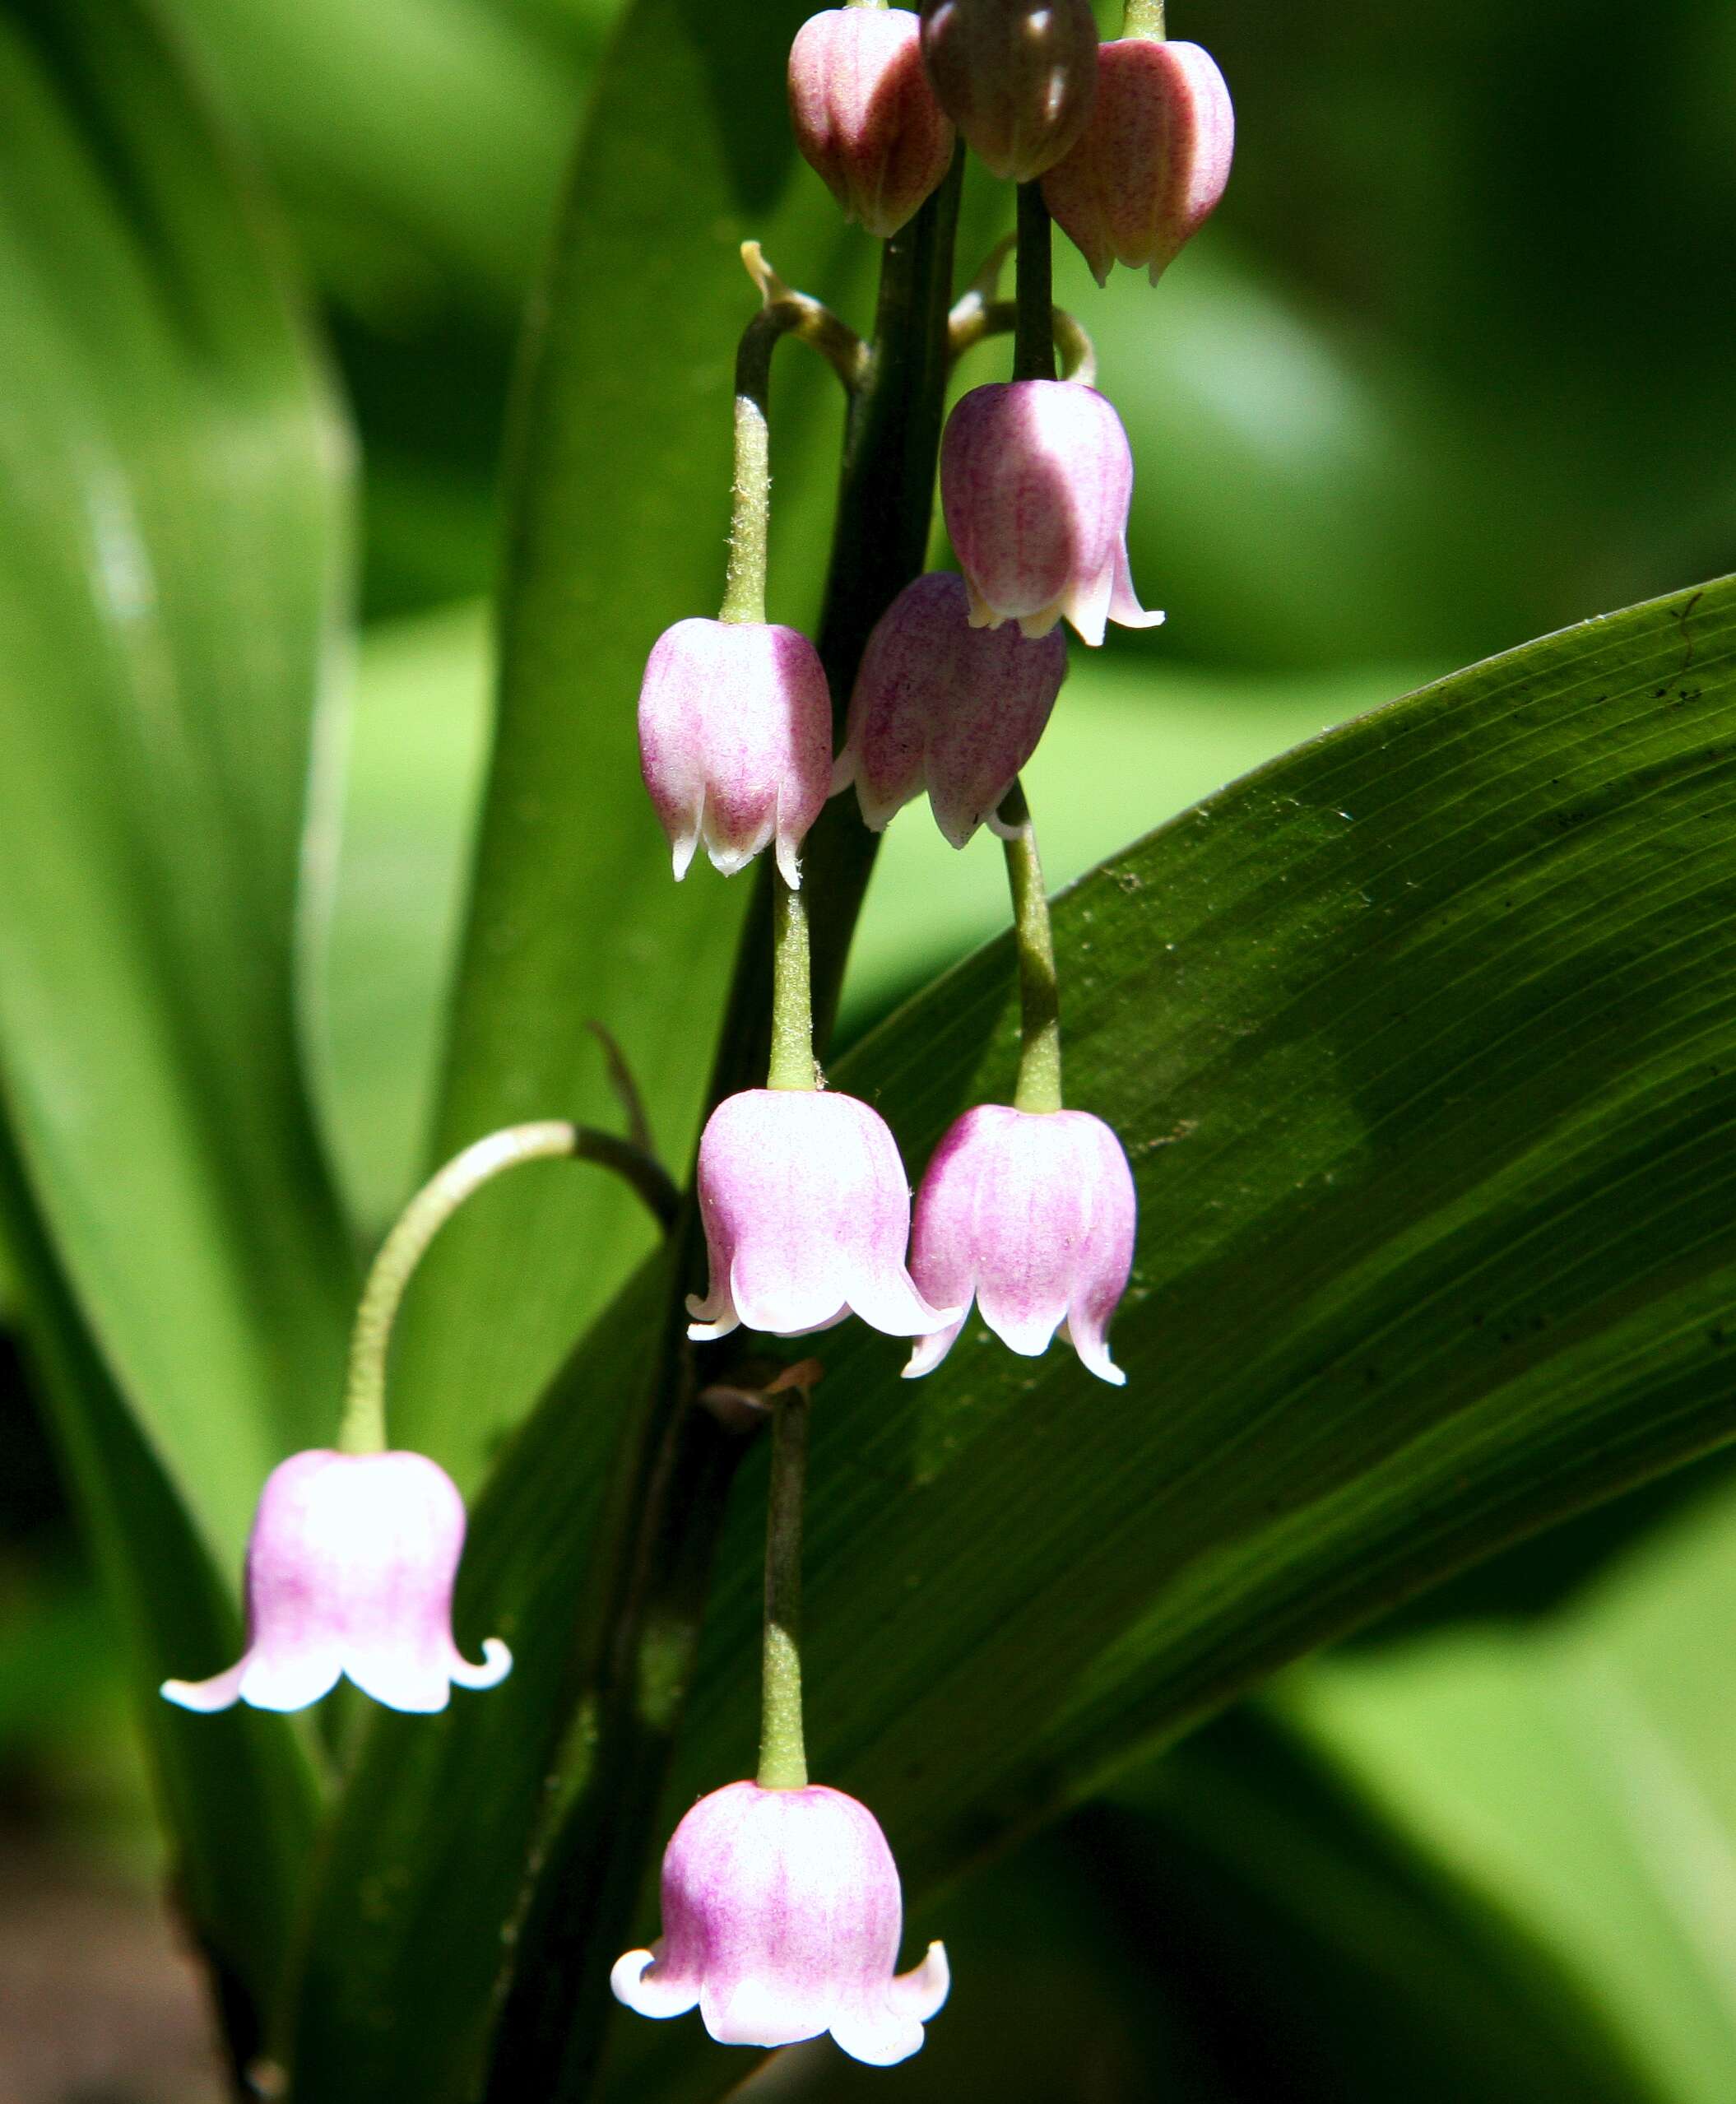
(807, 1217)
(735, 740)
(1033, 1213)
(944, 706)
(1153, 163)
(865, 116)
(1036, 477)
(782, 1918)
(349, 1570)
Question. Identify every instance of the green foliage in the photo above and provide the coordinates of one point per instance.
(1580, 1765)
(1419, 1037)
(174, 489)
(1363, 1347)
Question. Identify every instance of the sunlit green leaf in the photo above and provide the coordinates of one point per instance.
(1377, 1023)
(1581, 1768)
(172, 487)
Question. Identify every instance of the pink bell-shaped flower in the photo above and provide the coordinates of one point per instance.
(807, 1217)
(349, 1569)
(941, 705)
(1153, 163)
(782, 1917)
(1016, 77)
(865, 116)
(1033, 1213)
(735, 740)
(1036, 477)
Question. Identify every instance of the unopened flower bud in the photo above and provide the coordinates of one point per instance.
(349, 1570)
(782, 1918)
(807, 1218)
(944, 706)
(735, 740)
(864, 115)
(1153, 160)
(1036, 477)
(1016, 77)
(1032, 1212)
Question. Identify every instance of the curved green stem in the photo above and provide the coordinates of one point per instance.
(1039, 989)
(784, 313)
(1143, 18)
(974, 320)
(362, 1427)
(791, 1063)
(783, 1760)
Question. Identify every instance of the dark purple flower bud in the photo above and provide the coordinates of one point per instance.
(1153, 160)
(735, 740)
(1036, 477)
(782, 1917)
(349, 1569)
(942, 706)
(1033, 1213)
(865, 116)
(1017, 78)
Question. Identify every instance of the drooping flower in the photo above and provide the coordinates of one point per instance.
(1032, 1212)
(941, 705)
(735, 740)
(865, 116)
(349, 1570)
(1036, 477)
(807, 1217)
(782, 1918)
(1152, 165)
(1016, 77)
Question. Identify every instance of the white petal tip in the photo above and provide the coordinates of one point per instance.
(632, 1982)
(497, 1662)
(925, 1988)
(203, 1697)
(682, 855)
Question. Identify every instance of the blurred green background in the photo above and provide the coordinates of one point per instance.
(1450, 369)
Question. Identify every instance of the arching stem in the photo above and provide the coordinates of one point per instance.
(784, 312)
(362, 1427)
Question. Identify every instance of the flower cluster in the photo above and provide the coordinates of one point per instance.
(780, 1903)
(781, 1908)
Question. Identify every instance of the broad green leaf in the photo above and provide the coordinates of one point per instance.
(418, 739)
(1371, 1069)
(621, 483)
(1580, 1767)
(1126, 745)
(418, 142)
(1235, 1924)
(1319, 1950)
(1419, 1040)
(172, 483)
(236, 1790)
